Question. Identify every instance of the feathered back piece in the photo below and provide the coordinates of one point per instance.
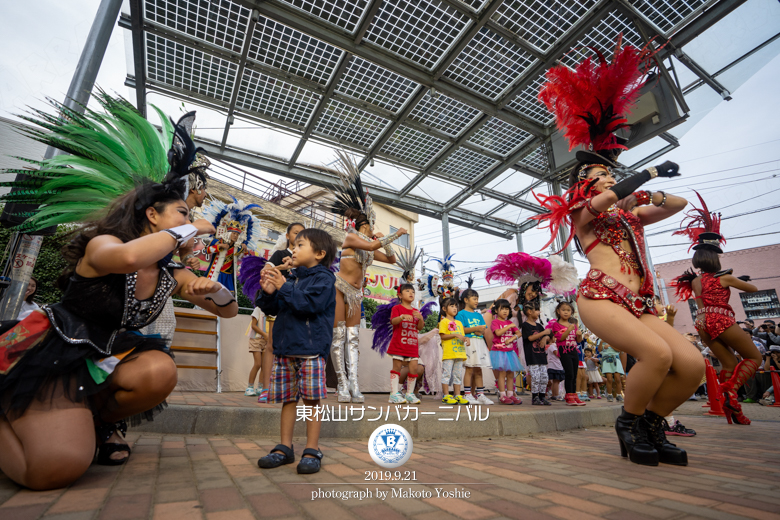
(698, 221)
(350, 193)
(407, 260)
(591, 101)
(383, 327)
(235, 217)
(683, 285)
(110, 154)
(564, 280)
(519, 268)
(249, 275)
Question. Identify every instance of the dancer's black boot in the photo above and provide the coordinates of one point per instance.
(632, 436)
(668, 453)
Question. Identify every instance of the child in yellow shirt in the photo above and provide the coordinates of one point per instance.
(453, 342)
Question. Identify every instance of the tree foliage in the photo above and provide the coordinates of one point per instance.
(49, 265)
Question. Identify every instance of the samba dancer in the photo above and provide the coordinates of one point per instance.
(715, 320)
(359, 250)
(79, 367)
(608, 218)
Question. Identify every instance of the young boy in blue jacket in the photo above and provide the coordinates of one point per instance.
(305, 308)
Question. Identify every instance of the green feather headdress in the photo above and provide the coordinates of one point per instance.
(110, 154)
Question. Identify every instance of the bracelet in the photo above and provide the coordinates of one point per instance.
(591, 209)
(653, 172)
(187, 257)
(643, 198)
(663, 201)
(221, 298)
(181, 234)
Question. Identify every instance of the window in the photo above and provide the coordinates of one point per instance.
(761, 305)
(401, 242)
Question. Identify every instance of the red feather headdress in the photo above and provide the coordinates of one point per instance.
(591, 101)
(698, 221)
(683, 285)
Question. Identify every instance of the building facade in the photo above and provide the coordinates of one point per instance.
(762, 264)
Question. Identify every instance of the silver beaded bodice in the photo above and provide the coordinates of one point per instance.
(139, 313)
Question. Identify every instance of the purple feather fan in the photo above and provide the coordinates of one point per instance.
(249, 275)
(383, 328)
(518, 268)
(427, 309)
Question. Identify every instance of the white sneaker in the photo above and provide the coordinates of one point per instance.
(412, 399)
(250, 390)
(483, 399)
(470, 398)
(584, 397)
(397, 398)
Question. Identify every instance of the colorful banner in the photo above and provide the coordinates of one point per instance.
(382, 283)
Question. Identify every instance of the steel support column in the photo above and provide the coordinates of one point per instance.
(76, 99)
(567, 254)
(519, 238)
(445, 234)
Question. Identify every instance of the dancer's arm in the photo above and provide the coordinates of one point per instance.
(353, 241)
(107, 254)
(730, 280)
(662, 206)
(623, 189)
(206, 294)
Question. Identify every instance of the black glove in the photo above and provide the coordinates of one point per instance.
(668, 169)
(744, 278)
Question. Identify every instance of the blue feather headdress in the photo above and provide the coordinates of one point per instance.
(234, 218)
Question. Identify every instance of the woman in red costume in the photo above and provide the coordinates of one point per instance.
(606, 220)
(715, 317)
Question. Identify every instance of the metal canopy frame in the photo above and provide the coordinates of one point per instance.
(444, 88)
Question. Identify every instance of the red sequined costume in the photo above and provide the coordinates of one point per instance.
(715, 315)
(611, 227)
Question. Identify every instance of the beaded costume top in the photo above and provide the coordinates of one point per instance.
(612, 227)
(95, 311)
(713, 294)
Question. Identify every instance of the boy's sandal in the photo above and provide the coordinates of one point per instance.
(309, 465)
(276, 459)
(106, 449)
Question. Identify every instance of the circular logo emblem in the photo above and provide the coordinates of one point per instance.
(390, 446)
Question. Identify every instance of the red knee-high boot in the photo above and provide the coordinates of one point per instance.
(742, 372)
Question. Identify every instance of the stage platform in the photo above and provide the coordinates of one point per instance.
(232, 413)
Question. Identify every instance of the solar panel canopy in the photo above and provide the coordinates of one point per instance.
(421, 92)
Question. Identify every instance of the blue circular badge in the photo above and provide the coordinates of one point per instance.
(390, 446)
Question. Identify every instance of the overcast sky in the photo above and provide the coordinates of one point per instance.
(731, 152)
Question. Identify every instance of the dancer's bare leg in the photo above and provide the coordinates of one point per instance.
(616, 326)
(30, 458)
(685, 373)
(737, 339)
(139, 384)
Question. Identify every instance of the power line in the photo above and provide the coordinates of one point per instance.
(655, 233)
(732, 238)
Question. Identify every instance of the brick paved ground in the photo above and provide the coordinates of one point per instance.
(734, 473)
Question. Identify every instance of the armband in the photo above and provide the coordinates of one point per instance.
(653, 172)
(663, 201)
(221, 298)
(386, 241)
(643, 198)
(181, 234)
